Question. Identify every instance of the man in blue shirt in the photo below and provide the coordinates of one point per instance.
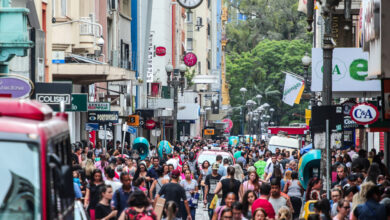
(122, 194)
(242, 158)
(152, 172)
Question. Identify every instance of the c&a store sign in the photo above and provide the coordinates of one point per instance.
(349, 71)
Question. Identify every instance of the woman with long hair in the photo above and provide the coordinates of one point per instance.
(171, 210)
(247, 201)
(228, 185)
(238, 173)
(138, 207)
(191, 188)
(103, 209)
(313, 189)
(92, 194)
(373, 173)
(252, 184)
(140, 172)
(183, 170)
(294, 189)
(89, 168)
(158, 183)
(203, 173)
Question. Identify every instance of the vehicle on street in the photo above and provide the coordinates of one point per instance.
(282, 142)
(37, 181)
(211, 156)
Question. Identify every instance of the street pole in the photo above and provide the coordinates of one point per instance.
(105, 137)
(175, 100)
(327, 92)
(242, 120)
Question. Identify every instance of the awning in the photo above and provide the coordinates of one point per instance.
(87, 73)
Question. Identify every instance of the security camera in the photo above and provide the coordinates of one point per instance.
(100, 42)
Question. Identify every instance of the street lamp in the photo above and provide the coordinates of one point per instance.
(306, 61)
(271, 111)
(259, 97)
(242, 91)
(175, 81)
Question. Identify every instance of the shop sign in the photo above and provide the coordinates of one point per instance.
(161, 51)
(15, 87)
(349, 71)
(103, 117)
(99, 106)
(150, 124)
(79, 102)
(364, 113)
(208, 131)
(53, 94)
(190, 59)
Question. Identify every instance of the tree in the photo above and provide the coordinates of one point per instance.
(260, 72)
(265, 19)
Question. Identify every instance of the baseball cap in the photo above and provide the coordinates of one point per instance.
(215, 166)
(175, 173)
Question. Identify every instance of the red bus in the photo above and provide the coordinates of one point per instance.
(36, 177)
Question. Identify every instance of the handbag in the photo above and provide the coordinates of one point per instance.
(193, 203)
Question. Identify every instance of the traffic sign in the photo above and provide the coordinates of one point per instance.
(133, 120)
(103, 117)
(132, 130)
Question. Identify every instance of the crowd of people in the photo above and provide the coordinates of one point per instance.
(114, 183)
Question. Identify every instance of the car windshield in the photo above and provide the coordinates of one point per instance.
(212, 158)
(20, 181)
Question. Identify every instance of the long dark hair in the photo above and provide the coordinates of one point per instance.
(95, 171)
(230, 172)
(138, 199)
(138, 171)
(373, 172)
(256, 183)
(312, 182)
(245, 203)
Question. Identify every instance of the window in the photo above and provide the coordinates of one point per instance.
(189, 17)
(190, 45)
(125, 55)
(63, 8)
(125, 8)
(20, 181)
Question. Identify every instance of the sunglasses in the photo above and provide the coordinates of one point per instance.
(347, 207)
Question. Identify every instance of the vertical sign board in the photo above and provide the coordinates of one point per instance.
(53, 93)
(78, 102)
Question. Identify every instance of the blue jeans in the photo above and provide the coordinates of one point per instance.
(184, 211)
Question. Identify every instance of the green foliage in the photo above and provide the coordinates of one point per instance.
(260, 72)
(190, 74)
(266, 19)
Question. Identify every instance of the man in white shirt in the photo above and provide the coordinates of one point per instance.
(269, 168)
(276, 199)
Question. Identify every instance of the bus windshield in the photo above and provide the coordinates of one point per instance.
(20, 181)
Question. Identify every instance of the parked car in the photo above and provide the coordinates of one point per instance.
(211, 156)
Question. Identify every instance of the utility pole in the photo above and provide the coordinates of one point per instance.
(327, 90)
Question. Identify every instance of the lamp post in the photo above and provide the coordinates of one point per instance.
(242, 91)
(250, 104)
(306, 62)
(175, 81)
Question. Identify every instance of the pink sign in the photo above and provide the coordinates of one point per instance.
(230, 125)
(190, 59)
(161, 51)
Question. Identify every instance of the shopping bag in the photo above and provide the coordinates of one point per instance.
(213, 203)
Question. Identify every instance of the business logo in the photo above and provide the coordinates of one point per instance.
(364, 113)
(357, 70)
(54, 98)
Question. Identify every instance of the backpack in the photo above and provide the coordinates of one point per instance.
(147, 214)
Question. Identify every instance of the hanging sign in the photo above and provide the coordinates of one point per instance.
(150, 124)
(190, 59)
(15, 87)
(364, 113)
(161, 51)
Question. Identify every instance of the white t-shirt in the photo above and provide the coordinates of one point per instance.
(115, 185)
(277, 203)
